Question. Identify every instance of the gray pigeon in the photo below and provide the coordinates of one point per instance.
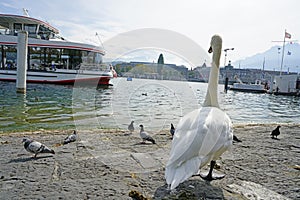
(145, 136)
(131, 127)
(71, 138)
(36, 147)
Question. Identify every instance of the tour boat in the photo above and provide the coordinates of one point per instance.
(242, 87)
(51, 58)
(257, 87)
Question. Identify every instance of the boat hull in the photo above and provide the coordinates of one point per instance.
(248, 90)
(253, 88)
(60, 77)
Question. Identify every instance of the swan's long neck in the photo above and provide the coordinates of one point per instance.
(211, 99)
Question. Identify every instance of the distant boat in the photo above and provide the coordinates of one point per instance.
(286, 85)
(51, 58)
(258, 87)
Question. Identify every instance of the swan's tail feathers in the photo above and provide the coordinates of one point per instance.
(176, 174)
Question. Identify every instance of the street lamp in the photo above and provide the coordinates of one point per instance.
(226, 79)
(226, 54)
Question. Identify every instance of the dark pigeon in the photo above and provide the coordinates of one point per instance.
(145, 136)
(172, 130)
(36, 147)
(235, 139)
(275, 132)
(71, 138)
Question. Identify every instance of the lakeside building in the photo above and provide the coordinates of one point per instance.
(150, 70)
(245, 75)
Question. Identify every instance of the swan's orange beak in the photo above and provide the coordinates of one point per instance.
(210, 50)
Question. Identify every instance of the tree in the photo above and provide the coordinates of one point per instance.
(161, 59)
(160, 64)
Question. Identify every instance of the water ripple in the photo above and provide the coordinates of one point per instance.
(153, 103)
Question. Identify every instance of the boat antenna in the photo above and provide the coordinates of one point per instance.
(25, 12)
(97, 35)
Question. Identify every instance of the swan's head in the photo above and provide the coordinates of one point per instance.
(215, 44)
(216, 48)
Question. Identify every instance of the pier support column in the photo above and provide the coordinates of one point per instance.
(22, 61)
(226, 85)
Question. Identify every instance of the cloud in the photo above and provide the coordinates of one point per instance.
(156, 39)
(248, 26)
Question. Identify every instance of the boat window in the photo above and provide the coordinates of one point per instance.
(17, 26)
(8, 57)
(298, 84)
(30, 28)
(44, 58)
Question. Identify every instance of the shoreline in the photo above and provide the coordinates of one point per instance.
(109, 163)
(64, 129)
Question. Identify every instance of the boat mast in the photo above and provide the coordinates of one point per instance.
(282, 52)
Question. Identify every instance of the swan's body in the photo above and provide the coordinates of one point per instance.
(202, 135)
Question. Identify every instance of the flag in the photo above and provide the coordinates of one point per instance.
(289, 53)
(287, 35)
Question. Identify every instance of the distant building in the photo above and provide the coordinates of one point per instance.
(200, 74)
(148, 70)
(245, 75)
(229, 66)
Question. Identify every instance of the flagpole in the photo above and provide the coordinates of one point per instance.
(282, 52)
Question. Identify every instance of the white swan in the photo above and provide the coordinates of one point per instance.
(202, 135)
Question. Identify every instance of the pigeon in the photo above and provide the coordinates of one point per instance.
(172, 130)
(36, 147)
(145, 136)
(136, 195)
(275, 132)
(235, 139)
(70, 138)
(131, 127)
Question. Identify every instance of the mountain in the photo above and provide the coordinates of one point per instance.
(273, 58)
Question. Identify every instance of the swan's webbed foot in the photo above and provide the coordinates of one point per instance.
(210, 176)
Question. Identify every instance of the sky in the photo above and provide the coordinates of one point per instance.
(248, 26)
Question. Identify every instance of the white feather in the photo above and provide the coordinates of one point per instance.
(199, 138)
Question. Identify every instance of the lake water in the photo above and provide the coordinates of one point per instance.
(153, 103)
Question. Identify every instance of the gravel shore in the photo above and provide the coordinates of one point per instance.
(108, 164)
